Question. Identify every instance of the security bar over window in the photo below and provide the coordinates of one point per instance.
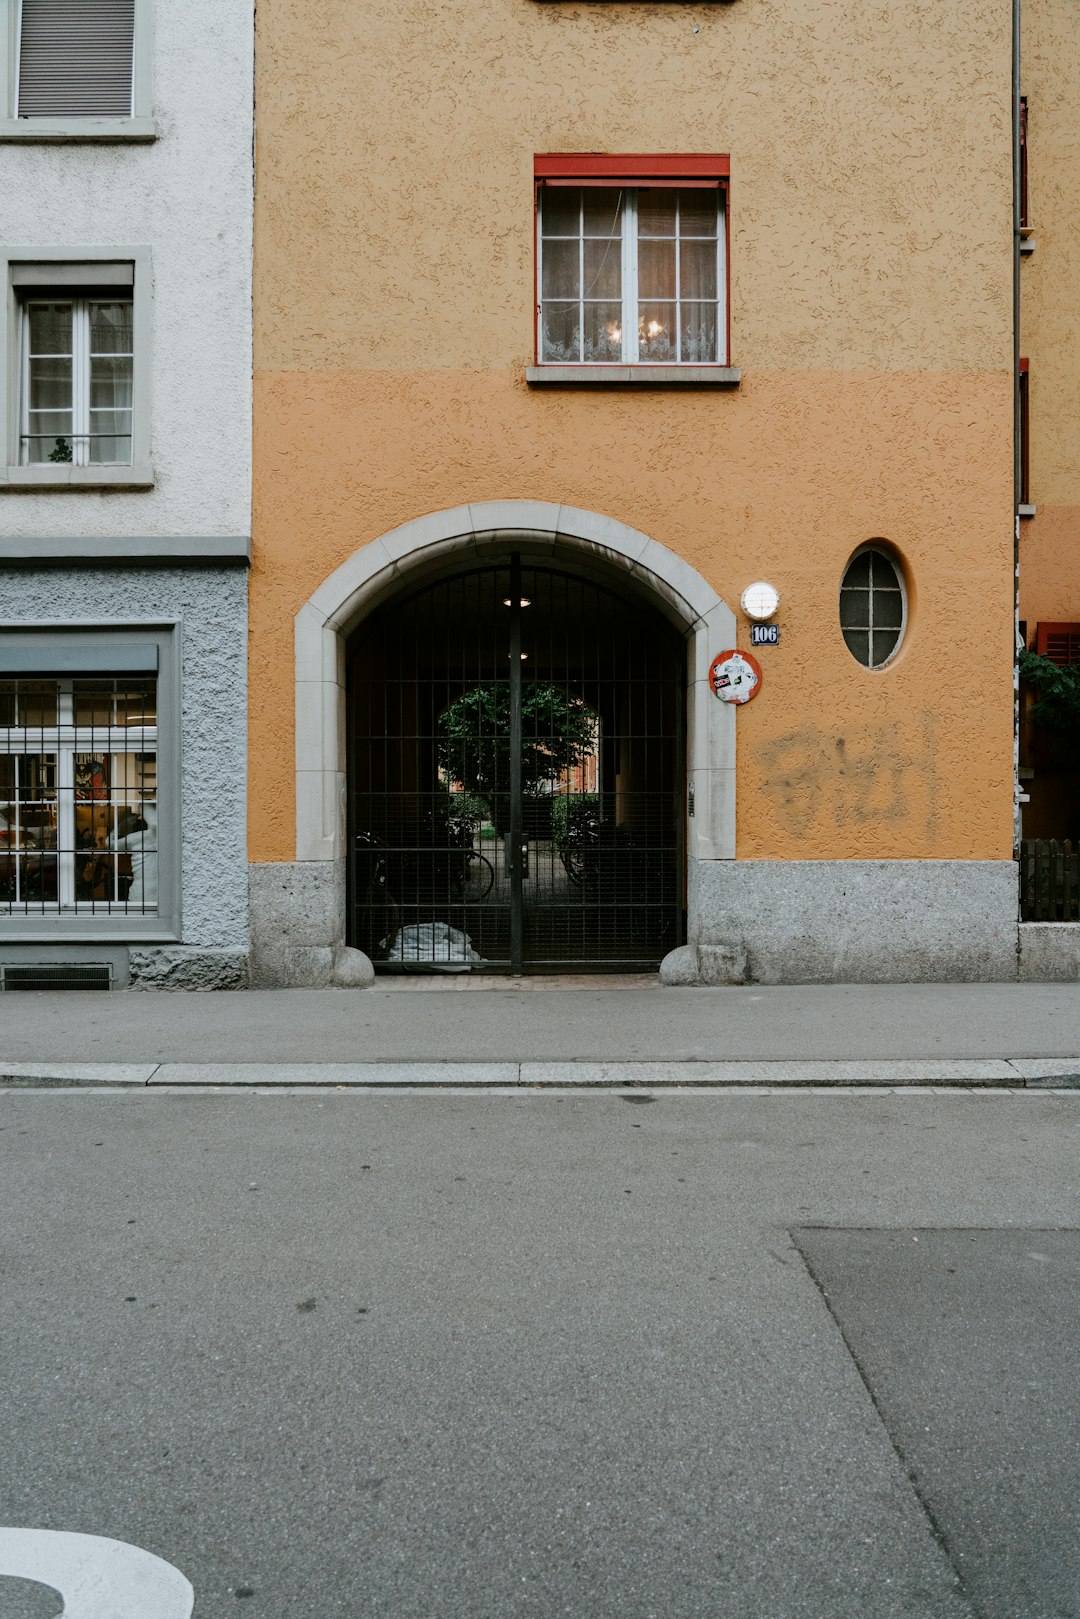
(632, 274)
(78, 359)
(78, 797)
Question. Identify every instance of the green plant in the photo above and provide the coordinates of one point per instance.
(1057, 691)
(61, 451)
(575, 818)
(557, 731)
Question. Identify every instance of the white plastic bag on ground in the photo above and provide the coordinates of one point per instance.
(432, 944)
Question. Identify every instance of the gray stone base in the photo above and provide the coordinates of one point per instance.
(177, 967)
(848, 921)
(1049, 952)
(298, 928)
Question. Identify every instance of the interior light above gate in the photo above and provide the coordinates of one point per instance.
(760, 600)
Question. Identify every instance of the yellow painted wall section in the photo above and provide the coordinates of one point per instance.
(870, 293)
(1050, 305)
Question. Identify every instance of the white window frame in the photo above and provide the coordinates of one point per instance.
(65, 652)
(81, 365)
(630, 242)
(61, 262)
(631, 368)
(140, 126)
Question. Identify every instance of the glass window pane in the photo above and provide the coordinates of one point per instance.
(698, 213)
(656, 212)
(603, 269)
(858, 644)
(603, 331)
(110, 441)
(110, 383)
(656, 332)
(884, 645)
(561, 269)
(561, 333)
(561, 212)
(110, 328)
(93, 702)
(888, 609)
(8, 711)
(603, 212)
(37, 876)
(49, 436)
(855, 608)
(50, 384)
(656, 269)
(858, 574)
(50, 329)
(697, 270)
(698, 333)
(37, 702)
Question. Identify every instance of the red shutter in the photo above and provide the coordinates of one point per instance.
(1058, 642)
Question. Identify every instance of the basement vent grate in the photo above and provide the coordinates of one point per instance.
(64, 975)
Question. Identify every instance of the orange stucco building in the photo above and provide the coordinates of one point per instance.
(1049, 542)
(651, 301)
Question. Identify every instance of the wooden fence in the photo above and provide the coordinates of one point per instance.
(1049, 881)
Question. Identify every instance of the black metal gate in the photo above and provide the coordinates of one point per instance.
(515, 758)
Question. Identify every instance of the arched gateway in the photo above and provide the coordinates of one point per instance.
(410, 714)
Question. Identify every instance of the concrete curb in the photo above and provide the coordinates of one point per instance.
(1000, 1073)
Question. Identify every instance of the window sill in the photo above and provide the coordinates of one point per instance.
(94, 930)
(1025, 511)
(182, 550)
(62, 477)
(639, 376)
(78, 129)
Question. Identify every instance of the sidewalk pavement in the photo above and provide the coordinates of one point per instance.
(581, 1031)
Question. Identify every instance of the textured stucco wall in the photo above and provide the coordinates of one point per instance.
(1050, 301)
(870, 313)
(187, 196)
(212, 609)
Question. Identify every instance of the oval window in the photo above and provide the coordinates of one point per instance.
(873, 606)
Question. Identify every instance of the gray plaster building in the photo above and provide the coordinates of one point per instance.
(125, 412)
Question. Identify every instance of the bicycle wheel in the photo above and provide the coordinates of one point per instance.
(479, 878)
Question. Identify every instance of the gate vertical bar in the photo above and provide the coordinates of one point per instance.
(514, 834)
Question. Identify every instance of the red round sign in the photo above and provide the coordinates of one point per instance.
(735, 676)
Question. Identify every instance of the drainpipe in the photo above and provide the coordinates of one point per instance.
(1016, 417)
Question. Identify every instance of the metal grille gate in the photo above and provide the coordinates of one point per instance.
(515, 756)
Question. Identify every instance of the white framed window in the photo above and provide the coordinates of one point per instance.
(78, 364)
(79, 796)
(873, 606)
(631, 270)
(77, 357)
(632, 275)
(77, 70)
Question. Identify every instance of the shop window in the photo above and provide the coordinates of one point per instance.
(632, 265)
(873, 606)
(79, 796)
(81, 372)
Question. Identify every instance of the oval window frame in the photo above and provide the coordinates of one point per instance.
(883, 549)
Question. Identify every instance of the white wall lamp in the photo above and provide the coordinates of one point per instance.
(760, 600)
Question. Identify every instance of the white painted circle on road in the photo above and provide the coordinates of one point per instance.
(97, 1578)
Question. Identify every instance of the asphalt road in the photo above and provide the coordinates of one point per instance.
(467, 1357)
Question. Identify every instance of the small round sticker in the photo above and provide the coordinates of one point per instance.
(735, 676)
